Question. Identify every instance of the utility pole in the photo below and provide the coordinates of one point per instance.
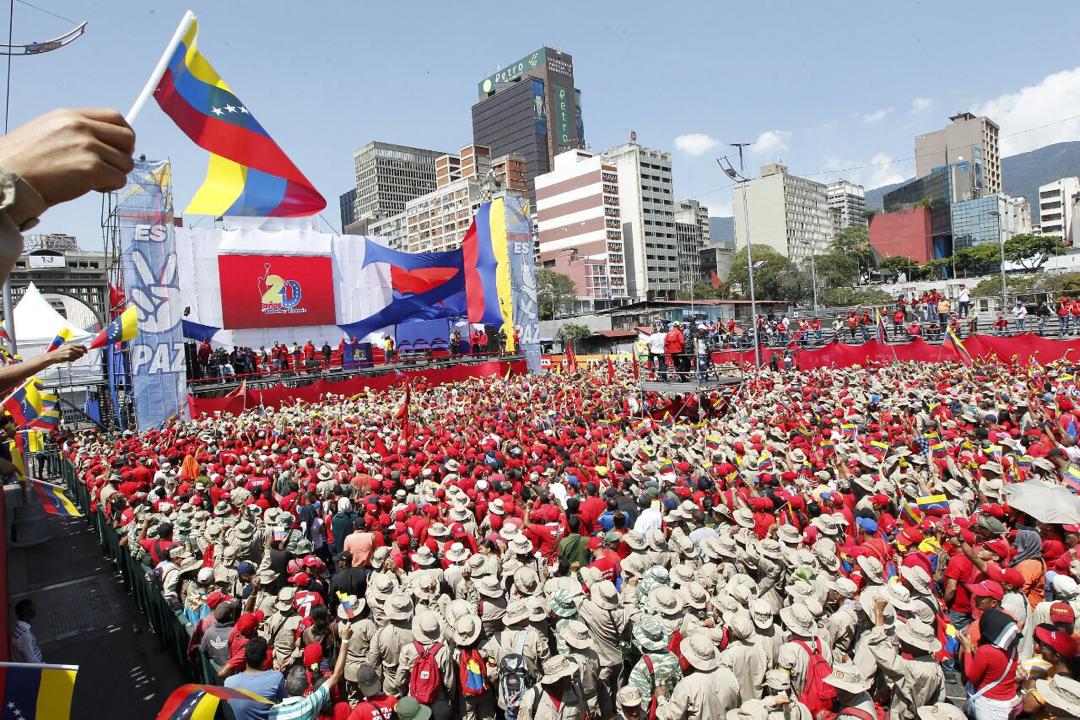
(741, 182)
(739, 147)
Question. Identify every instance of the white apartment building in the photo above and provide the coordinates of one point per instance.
(1057, 208)
(789, 214)
(579, 227)
(692, 236)
(847, 205)
(647, 205)
(966, 138)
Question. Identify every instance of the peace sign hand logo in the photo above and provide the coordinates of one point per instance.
(157, 297)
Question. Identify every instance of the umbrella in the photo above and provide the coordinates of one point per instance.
(1045, 502)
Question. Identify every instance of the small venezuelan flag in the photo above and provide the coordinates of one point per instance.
(765, 461)
(37, 692)
(878, 447)
(667, 467)
(847, 428)
(124, 327)
(54, 500)
(25, 404)
(827, 443)
(932, 502)
(249, 174)
(938, 449)
(910, 514)
(952, 339)
(61, 337)
(1071, 478)
(712, 442)
(189, 702)
(346, 605)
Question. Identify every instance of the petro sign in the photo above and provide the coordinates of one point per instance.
(512, 72)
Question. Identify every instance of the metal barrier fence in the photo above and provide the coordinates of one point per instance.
(171, 627)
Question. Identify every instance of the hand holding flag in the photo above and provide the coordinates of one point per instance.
(63, 336)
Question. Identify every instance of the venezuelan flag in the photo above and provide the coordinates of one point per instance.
(878, 447)
(910, 514)
(938, 449)
(712, 442)
(54, 501)
(37, 692)
(1024, 461)
(249, 174)
(486, 255)
(124, 327)
(346, 605)
(932, 502)
(1071, 478)
(765, 461)
(200, 702)
(667, 467)
(25, 404)
(847, 428)
(952, 339)
(61, 337)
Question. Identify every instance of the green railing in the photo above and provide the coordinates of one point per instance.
(171, 627)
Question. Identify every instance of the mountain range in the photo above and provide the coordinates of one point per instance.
(1022, 174)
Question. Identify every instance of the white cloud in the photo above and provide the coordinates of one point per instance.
(881, 169)
(1054, 98)
(877, 115)
(921, 104)
(771, 143)
(696, 143)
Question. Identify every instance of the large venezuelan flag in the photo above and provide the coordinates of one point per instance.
(124, 327)
(248, 173)
(486, 254)
(41, 692)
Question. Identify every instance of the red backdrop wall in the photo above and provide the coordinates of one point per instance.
(269, 291)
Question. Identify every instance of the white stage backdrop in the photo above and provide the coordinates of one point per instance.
(358, 291)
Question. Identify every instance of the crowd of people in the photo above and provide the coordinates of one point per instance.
(827, 543)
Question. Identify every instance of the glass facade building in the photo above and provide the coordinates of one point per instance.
(940, 190)
(975, 222)
(507, 122)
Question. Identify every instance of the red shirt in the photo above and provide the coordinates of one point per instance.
(962, 571)
(608, 565)
(376, 707)
(988, 664)
(545, 538)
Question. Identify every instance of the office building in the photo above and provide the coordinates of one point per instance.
(847, 205)
(717, 258)
(965, 139)
(438, 220)
(1057, 201)
(388, 176)
(988, 219)
(903, 233)
(74, 281)
(691, 237)
(938, 191)
(347, 203)
(790, 214)
(579, 226)
(647, 207)
(532, 109)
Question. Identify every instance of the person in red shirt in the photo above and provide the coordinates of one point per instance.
(545, 537)
(606, 558)
(674, 345)
(591, 508)
(960, 573)
(375, 704)
(991, 665)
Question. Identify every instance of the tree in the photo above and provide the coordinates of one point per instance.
(775, 276)
(1032, 251)
(1014, 284)
(848, 259)
(704, 291)
(554, 291)
(1059, 283)
(572, 332)
(977, 259)
(900, 264)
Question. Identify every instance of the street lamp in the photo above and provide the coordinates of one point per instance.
(1001, 264)
(741, 183)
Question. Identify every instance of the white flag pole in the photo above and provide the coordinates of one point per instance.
(155, 77)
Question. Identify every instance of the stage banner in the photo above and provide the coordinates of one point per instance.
(271, 291)
(145, 220)
(523, 281)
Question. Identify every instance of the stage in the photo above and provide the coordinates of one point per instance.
(719, 382)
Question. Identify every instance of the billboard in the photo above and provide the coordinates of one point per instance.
(511, 72)
(148, 246)
(269, 291)
(577, 114)
(539, 106)
(564, 117)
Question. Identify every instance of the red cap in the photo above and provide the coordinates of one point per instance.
(1062, 613)
(300, 579)
(986, 588)
(216, 598)
(1062, 643)
(909, 536)
(595, 542)
(1071, 528)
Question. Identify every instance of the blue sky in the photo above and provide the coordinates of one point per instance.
(826, 86)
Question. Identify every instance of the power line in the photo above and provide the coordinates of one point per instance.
(47, 12)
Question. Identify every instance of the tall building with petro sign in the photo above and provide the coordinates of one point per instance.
(532, 109)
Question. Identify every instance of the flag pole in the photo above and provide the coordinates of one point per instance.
(155, 77)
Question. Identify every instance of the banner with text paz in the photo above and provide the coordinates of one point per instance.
(270, 291)
(155, 355)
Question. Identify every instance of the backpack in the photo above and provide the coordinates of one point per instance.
(651, 712)
(472, 673)
(514, 678)
(425, 678)
(675, 648)
(817, 695)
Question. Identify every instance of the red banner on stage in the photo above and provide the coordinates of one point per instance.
(271, 291)
(279, 395)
